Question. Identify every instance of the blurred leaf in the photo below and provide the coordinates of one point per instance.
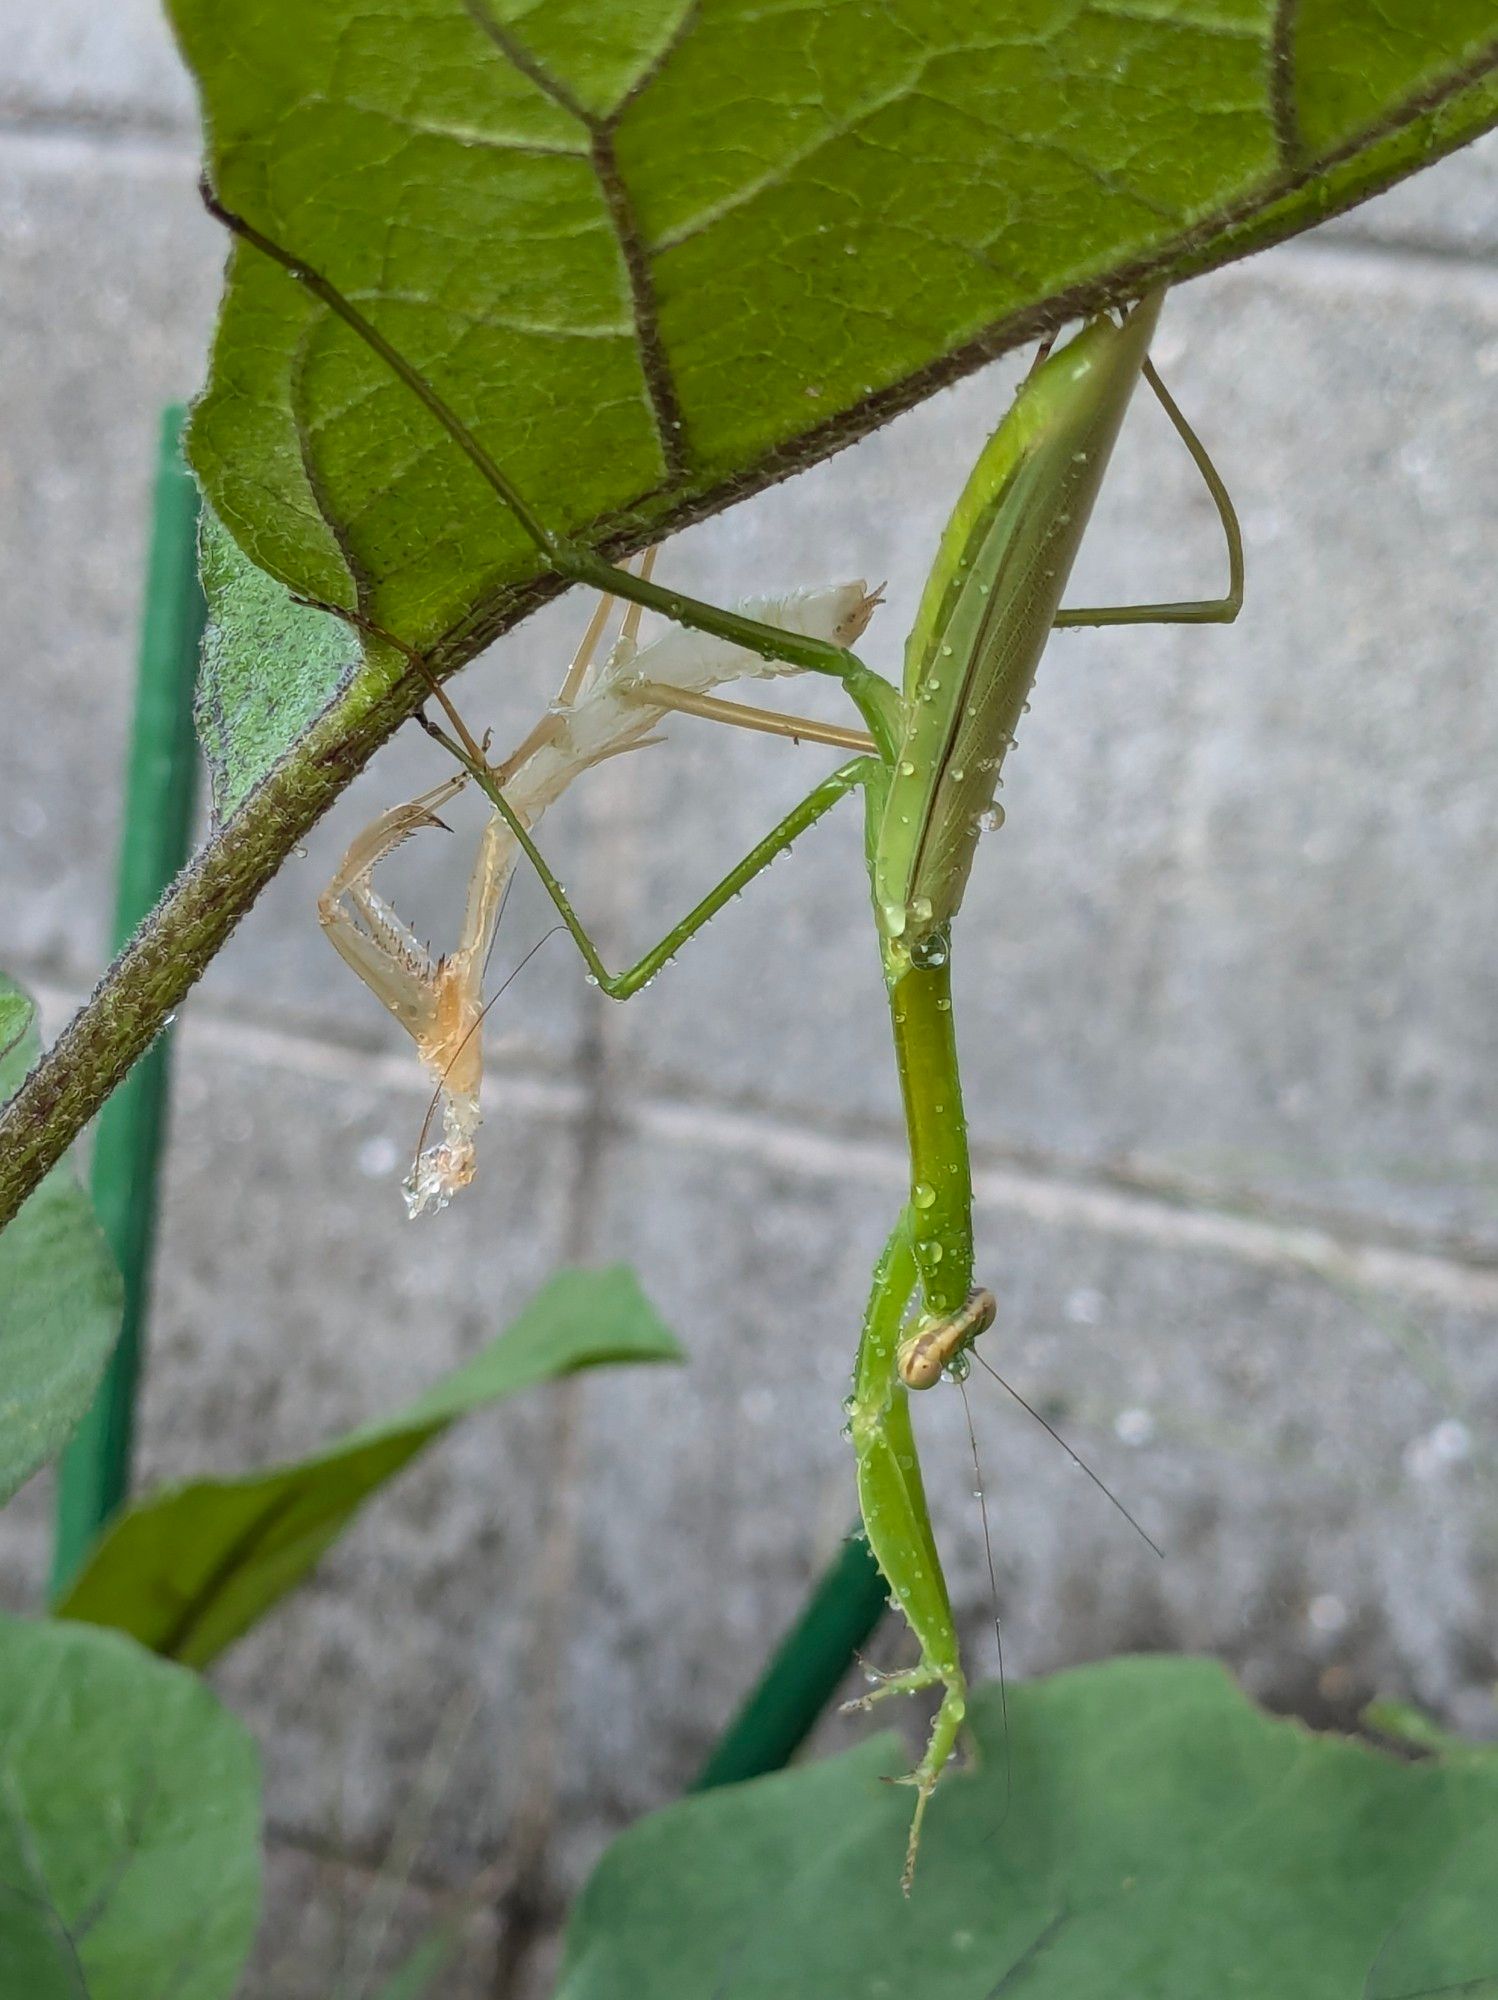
(129, 1824)
(1156, 1835)
(189, 1569)
(60, 1295)
(658, 254)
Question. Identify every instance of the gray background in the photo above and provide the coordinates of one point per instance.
(1226, 986)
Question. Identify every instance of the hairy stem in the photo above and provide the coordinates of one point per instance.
(192, 921)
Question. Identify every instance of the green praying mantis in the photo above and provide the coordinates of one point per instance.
(927, 761)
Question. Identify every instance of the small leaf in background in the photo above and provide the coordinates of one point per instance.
(129, 1824)
(656, 255)
(270, 667)
(1151, 1833)
(187, 1570)
(60, 1295)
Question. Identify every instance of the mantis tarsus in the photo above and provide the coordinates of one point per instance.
(928, 768)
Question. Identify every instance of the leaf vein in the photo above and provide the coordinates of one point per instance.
(1284, 104)
(655, 364)
(520, 57)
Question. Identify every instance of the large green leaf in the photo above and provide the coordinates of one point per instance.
(189, 1569)
(60, 1295)
(655, 253)
(1151, 1834)
(129, 1824)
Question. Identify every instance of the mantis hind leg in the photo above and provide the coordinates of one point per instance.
(897, 1522)
(620, 985)
(1196, 611)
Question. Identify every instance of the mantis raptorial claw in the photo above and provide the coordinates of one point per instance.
(943, 1739)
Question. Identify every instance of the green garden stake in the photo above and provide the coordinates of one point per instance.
(95, 1471)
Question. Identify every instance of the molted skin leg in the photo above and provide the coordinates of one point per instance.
(438, 1001)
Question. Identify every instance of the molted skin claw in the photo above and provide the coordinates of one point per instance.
(438, 1001)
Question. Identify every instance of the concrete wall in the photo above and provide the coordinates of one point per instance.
(1227, 992)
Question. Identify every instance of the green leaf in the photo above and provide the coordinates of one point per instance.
(60, 1295)
(270, 667)
(1150, 1833)
(129, 1824)
(192, 1567)
(655, 255)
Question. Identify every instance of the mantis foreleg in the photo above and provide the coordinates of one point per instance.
(896, 1519)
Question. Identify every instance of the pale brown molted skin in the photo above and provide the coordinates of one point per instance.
(600, 712)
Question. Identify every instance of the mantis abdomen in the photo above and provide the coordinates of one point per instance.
(987, 612)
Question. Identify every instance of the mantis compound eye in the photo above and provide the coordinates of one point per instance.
(935, 1346)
